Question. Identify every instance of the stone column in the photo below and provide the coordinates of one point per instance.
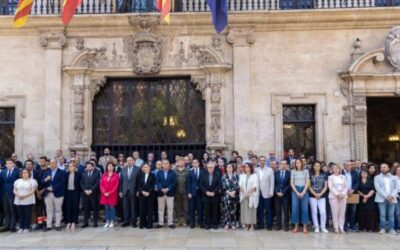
(241, 39)
(53, 43)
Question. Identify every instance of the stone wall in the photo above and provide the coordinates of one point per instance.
(264, 60)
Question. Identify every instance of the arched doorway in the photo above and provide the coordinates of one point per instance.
(149, 115)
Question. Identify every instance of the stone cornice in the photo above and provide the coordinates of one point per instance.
(111, 24)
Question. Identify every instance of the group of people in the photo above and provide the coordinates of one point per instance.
(252, 193)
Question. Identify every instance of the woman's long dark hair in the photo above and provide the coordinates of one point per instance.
(312, 171)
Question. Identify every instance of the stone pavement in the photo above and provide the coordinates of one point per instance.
(183, 238)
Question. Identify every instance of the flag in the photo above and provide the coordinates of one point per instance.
(68, 10)
(164, 6)
(219, 12)
(22, 13)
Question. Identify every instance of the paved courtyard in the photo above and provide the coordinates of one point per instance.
(128, 238)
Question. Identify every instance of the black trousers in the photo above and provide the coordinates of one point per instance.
(40, 209)
(90, 204)
(71, 202)
(282, 207)
(25, 216)
(146, 207)
(10, 213)
(129, 207)
(211, 212)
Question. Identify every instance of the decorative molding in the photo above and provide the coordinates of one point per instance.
(200, 82)
(96, 83)
(144, 51)
(241, 37)
(392, 47)
(79, 124)
(53, 40)
(145, 22)
(80, 43)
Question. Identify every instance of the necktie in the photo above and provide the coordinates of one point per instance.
(210, 179)
(282, 175)
(197, 173)
(129, 172)
(8, 173)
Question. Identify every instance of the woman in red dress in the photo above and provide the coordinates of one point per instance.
(109, 193)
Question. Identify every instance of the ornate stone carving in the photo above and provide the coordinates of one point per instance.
(392, 47)
(145, 23)
(346, 118)
(241, 37)
(215, 111)
(357, 52)
(80, 43)
(144, 51)
(79, 124)
(95, 86)
(215, 125)
(53, 40)
(201, 85)
(217, 43)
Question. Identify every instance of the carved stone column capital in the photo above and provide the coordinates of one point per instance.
(95, 85)
(241, 37)
(53, 40)
(200, 82)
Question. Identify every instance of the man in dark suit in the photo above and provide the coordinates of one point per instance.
(291, 158)
(353, 181)
(194, 194)
(127, 191)
(8, 177)
(282, 195)
(146, 184)
(53, 181)
(90, 181)
(151, 161)
(210, 186)
(166, 184)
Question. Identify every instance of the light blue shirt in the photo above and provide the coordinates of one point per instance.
(348, 178)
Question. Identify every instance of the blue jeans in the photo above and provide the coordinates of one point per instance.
(299, 207)
(398, 215)
(110, 213)
(386, 208)
(264, 205)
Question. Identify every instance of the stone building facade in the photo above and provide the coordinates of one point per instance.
(332, 59)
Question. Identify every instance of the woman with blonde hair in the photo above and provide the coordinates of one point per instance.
(337, 184)
(72, 196)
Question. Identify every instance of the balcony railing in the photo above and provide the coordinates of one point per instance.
(48, 7)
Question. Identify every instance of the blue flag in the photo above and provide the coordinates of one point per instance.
(219, 12)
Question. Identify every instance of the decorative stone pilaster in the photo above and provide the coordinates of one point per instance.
(241, 40)
(53, 43)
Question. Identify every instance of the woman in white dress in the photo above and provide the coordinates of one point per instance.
(249, 195)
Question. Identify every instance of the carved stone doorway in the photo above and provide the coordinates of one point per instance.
(149, 115)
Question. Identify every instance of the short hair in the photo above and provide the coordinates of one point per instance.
(72, 151)
(43, 158)
(24, 169)
(240, 157)
(250, 166)
(235, 152)
(229, 164)
(265, 158)
(218, 150)
(89, 163)
(195, 159)
(10, 159)
(254, 156)
(29, 161)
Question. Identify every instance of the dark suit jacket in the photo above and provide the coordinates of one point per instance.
(169, 183)
(8, 182)
(91, 183)
(126, 183)
(282, 186)
(214, 187)
(148, 186)
(193, 184)
(288, 160)
(355, 180)
(58, 183)
(77, 181)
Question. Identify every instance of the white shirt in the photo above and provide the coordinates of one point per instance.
(145, 178)
(348, 177)
(338, 182)
(386, 178)
(24, 187)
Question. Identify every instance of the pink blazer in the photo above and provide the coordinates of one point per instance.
(111, 187)
(337, 185)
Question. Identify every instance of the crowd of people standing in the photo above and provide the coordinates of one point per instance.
(259, 192)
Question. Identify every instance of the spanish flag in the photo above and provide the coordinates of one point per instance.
(68, 10)
(22, 13)
(164, 6)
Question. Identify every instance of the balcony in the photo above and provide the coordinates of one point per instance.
(52, 7)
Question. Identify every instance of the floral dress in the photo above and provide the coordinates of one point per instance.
(230, 204)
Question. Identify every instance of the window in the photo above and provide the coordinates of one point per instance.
(299, 129)
(7, 132)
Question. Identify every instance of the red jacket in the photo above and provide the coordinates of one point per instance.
(111, 187)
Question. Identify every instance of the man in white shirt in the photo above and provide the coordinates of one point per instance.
(266, 178)
(386, 186)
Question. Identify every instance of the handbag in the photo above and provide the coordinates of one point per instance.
(353, 199)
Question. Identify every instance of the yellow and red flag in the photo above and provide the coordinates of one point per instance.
(22, 13)
(68, 10)
(164, 6)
